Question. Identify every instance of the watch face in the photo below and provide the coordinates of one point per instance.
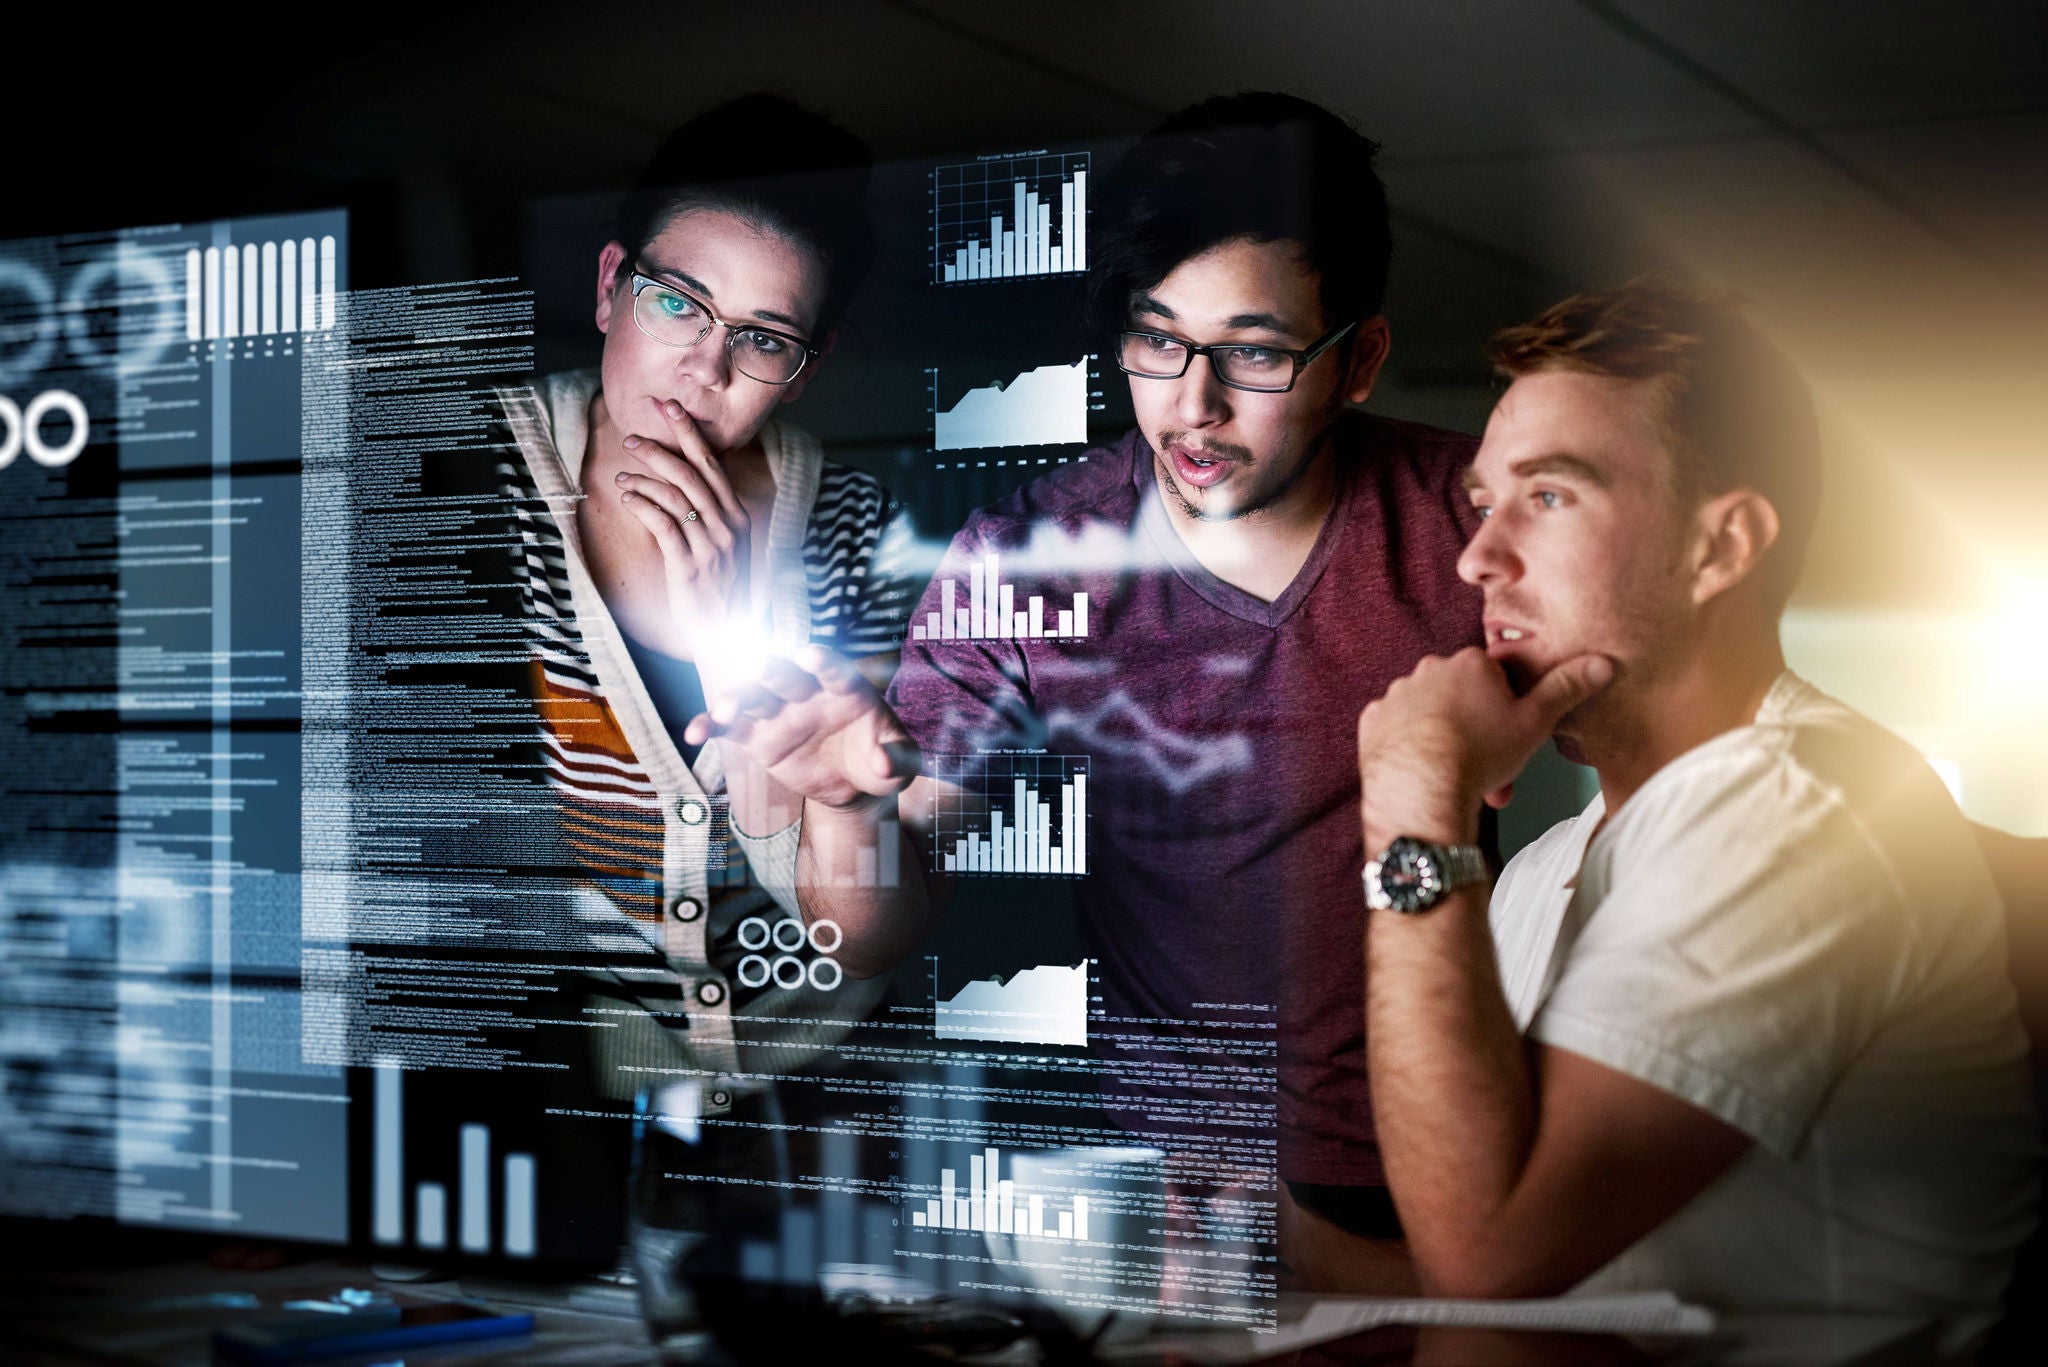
(1408, 876)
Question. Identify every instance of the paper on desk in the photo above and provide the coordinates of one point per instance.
(1643, 1312)
(1336, 1317)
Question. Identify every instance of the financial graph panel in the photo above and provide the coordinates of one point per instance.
(1007, 217)
(1010, 812)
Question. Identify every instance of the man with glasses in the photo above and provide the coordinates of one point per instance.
(1258, 561)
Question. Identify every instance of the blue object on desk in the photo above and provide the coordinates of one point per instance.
(311, 1338)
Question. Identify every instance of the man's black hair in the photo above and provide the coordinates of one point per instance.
(776, 164)
(1259, 165)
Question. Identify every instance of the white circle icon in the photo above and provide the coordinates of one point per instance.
(24, 428)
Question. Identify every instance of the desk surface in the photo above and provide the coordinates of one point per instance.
(164, 1317)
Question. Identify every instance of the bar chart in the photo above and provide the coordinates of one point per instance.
(991, 612)
(988, 1202)
(430, 1209)
(260, 289)
(873, 866)
(1010, 813)
(1043, 1005)
(1010, 217)
(1044, 406)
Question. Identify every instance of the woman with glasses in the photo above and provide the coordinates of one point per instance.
(676, 532)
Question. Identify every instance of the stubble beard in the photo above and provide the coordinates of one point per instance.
(1196, 513)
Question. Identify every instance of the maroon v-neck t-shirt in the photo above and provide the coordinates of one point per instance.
(1224, 848)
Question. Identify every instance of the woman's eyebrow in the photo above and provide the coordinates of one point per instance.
(696, 286)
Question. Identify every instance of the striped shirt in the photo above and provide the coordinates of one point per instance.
(674, 895)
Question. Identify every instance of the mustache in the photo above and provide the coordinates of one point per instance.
(1235, 455)
(1505, 605)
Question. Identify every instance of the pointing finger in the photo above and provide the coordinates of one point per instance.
(832, 670)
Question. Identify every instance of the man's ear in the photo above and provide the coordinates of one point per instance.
(792, 391)
(1368, 352)
(1735, 529)
(610, 263)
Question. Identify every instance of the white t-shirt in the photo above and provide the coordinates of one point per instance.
(1792, 928)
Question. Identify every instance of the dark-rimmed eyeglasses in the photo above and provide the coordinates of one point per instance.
(677, 318)
(1260, 369)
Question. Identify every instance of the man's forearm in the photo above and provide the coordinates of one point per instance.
(880, 925)
(1452, 1099)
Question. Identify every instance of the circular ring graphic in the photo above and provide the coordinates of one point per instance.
(31, 436)
(752, 927)
(796, 968)
(10, 445)
(820, 928)
(139, 278)
(791, 942)
(756, 964)
(42, 299)
(819, 970)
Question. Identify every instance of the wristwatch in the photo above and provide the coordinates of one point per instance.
(1413, 875)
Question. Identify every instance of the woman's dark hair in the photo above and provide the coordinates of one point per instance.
(1263, 166)
(776, 164)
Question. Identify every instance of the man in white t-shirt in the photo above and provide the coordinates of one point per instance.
(1743, 1028)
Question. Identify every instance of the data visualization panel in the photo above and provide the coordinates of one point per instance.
(1014, 813)
(1009, 217)
(1043, 1005)
(1047, 405)
(990, 610)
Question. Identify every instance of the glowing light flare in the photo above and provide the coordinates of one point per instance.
(2016, 643)
(742, 649)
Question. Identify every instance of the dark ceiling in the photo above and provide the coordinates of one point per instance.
(1869, 173)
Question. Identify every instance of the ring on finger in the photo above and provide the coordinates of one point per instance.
(690, 516)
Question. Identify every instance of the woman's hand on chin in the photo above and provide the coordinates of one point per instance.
(682, 497)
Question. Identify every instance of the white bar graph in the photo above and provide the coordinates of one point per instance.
(430, 1215)
(997, 813)
(211, 289)
(387, 1191)
(430, 1200)
(252, 287)
(476, 1189)
(230, 292)
(1005, 218)
(327, 267)
(309, 285)
(520, 1211)
(989, 614)
(195, 294)
(288, 289)
(874, 866)
(261, 289)
(993, 1204)
(269, 287)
